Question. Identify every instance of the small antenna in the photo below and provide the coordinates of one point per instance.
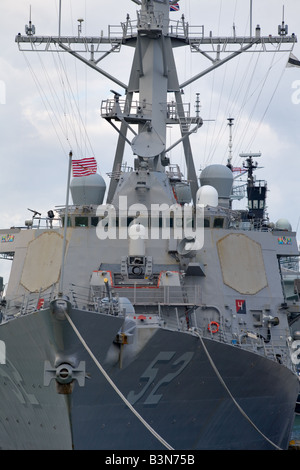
(30, 28)
(283, 28)
(197, 105)
(80, 21)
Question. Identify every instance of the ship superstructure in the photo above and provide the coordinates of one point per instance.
(156, 319)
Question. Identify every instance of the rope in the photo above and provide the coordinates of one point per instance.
(231, 396)
(127, 403)
(46, 103)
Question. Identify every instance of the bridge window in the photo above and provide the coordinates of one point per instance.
(94, 221)
(69, 224)
(218, 222)
(81, 221)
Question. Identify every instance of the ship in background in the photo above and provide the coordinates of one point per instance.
(158, 318)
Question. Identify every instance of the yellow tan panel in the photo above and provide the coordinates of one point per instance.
(242, 263)
(43, 261)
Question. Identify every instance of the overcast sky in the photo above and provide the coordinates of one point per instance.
(50, 103)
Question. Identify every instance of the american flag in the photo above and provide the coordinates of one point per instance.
(174, 7)
(84, 167)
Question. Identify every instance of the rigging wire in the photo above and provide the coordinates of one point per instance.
(228, 112)
(134, 411)
(74, 112)
(215, 142)
(251, 115)
(245, 95)
(212, 90)
(56, 107)
(255, 132)
(64, 113)
(63, 108)
(247, 125)
(230, 394)
(45, 102)
(110, 381)
(242, 95)
(238, 97)
(76, 98)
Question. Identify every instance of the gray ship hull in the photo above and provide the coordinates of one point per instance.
(170, 383)
(179, 296)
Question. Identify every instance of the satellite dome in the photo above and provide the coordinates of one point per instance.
(87, 190)
(283, 224)
(220, 177)
(207, 195)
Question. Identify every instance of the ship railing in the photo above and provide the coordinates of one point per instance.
(138, 109)
(174, 113)
(274, 348)
(239, 222)
(166, 295)
(171, 307)
(41, 223)
(238, 192)
(177, 28)
(27, 303)
(124, 168)
(95, 299)
(179, 115)
(77, 209)
(182, 29)
(174, 172)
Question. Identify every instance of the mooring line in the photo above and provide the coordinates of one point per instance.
(230, 394)
(127, 403)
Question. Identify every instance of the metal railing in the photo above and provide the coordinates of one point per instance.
(175, 308)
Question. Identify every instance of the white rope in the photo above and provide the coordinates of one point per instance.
(127, 403)
(229, 393)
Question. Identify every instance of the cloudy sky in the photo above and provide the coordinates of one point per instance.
(50, 102)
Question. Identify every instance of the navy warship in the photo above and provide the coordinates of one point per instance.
(156, 319)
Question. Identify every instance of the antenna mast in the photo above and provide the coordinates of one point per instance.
(283, 28)
(30, 28)
(230, 124)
